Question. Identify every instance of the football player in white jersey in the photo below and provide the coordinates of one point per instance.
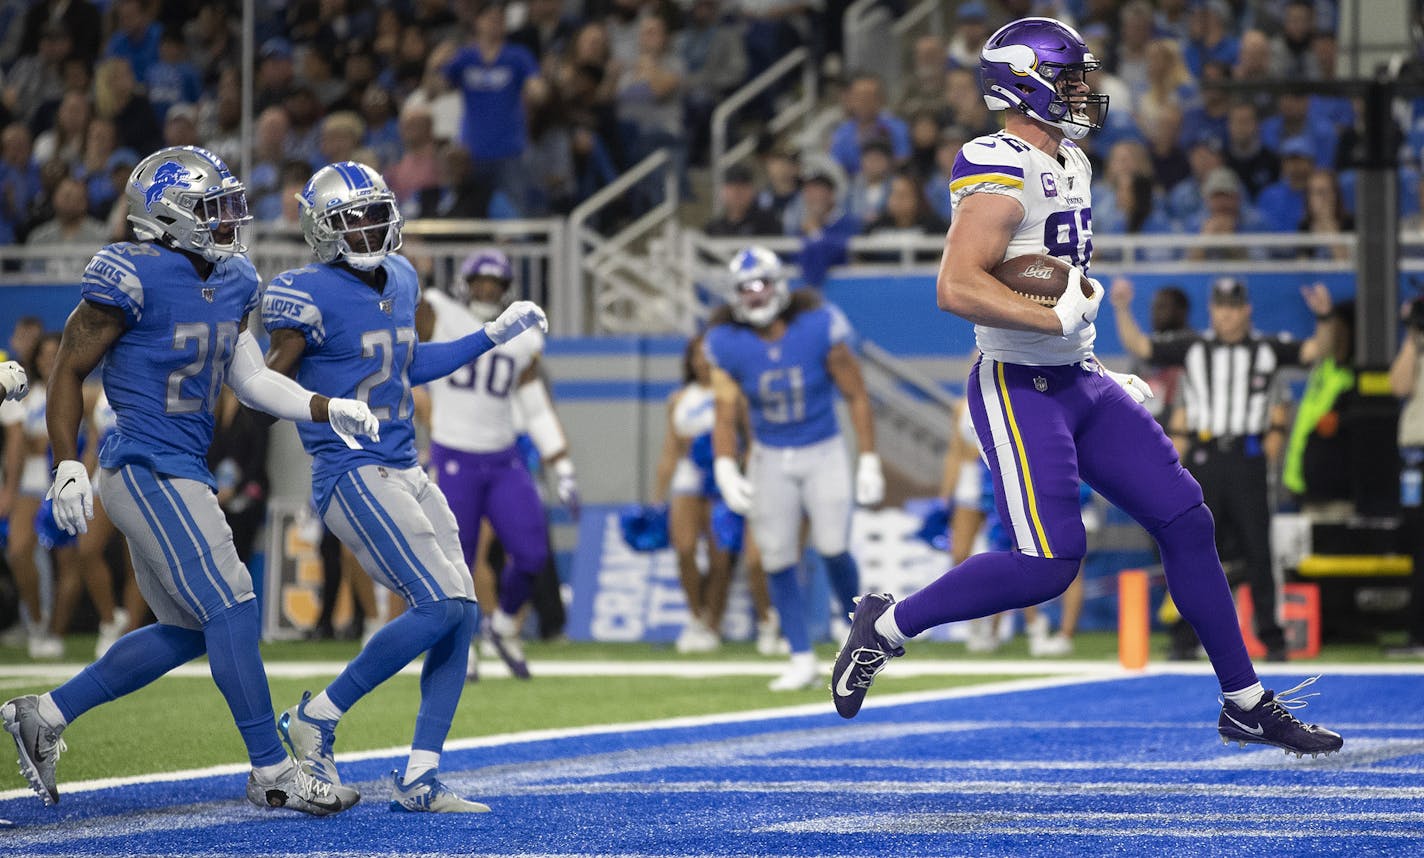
(472, 443)
(1046, 412)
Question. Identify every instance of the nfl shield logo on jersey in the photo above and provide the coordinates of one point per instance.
(387, 305)
(1040, 383)
(208, 293)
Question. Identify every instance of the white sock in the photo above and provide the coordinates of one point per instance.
(273, 773)
(49, 712)
(321, 708)
(1246, 698)
(889, 629)
(419, 763)
(504, 625)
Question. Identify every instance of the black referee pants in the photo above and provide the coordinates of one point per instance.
(1233, 481)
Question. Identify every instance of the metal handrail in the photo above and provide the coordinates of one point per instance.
(907, 373)
(721, 158)
(918, 13)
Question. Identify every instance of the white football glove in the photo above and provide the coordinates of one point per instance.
(72, 496)
(516, 318)
(14, 380)
(735, 488)
(1139, 390)
(1074, 311)
(869, 480)
(352, 417)
(567, 486)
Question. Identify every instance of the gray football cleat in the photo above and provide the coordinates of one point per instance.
(38, 743)
(298, 789)
(426, 794)
(310, 740)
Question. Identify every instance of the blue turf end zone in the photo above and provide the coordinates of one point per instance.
(1107, 767)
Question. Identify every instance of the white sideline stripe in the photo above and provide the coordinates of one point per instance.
(1007, 687)
(678, 669)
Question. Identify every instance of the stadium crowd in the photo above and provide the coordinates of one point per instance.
(570, 93)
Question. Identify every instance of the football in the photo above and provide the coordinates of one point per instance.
(1037, 276)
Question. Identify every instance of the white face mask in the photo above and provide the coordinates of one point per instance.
(485, 311)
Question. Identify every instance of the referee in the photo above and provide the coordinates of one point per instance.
(1226, 391)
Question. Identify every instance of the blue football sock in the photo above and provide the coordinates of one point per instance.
(135, 660)
(232, 635)
(786, 596)
(442, 680)
(393, 647)
(845, 579)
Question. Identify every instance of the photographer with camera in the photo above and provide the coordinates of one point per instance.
(1406, 379)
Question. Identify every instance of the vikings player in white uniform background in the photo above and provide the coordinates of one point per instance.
(472, 443)
(788, 354)
(1047, 414)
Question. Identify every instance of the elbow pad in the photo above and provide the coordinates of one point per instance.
(540, 420)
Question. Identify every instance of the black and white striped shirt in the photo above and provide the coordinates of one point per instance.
(1226, 388)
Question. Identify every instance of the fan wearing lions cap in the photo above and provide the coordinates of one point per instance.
(1048, 415)
(476, 416)
(788, 353)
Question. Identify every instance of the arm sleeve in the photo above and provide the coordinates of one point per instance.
(263, 389)
(285, 306)
(437, 360)
(111, 280)
(539, 419)
(987, 165)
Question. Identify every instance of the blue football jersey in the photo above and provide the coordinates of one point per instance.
(163, 375)
(360, 343)
(791, 395)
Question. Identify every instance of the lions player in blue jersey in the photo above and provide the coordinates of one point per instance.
(787, 353)
(167, 317)
(347, 323)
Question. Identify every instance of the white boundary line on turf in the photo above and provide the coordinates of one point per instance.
(677, 669)
(525, 736)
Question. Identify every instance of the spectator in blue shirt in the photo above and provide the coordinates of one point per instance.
(19, 181)
(172, 79)
(951, 140)
(866, 117)
(1282, 203)
(1226, 213)
(818, 218)
(1215, 42)
(1208, 117)
(870, 188)
(492, 74)
(1296, 117)
(136, 35)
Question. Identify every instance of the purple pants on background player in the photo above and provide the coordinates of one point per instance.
(1042, 429)
(497, 486)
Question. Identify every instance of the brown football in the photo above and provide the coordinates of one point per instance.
(1037, 276)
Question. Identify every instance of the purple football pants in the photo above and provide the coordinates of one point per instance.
(497, 486)
(1043, 428)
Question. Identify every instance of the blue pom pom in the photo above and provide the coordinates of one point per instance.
(50, 536)
(727, 527)
(934, 529)
(645, 528)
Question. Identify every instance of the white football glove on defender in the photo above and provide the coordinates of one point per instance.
(516, 318)
(14, 380)
(352, 417)
(736, 489)
(1139, 390)
(869, 480)
(73, 497)
(1074, 311)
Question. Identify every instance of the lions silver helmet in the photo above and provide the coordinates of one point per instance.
(348, 213)
(759, 282)
(187, 196)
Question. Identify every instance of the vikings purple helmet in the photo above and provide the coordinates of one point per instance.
(1033, 65)
(489, 263)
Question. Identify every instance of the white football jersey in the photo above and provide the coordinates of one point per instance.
(472, 408)
(1058, 220)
